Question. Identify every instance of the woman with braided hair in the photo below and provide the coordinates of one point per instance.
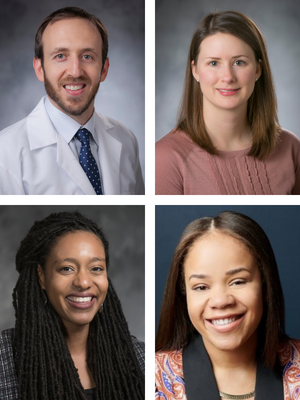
(71, 340)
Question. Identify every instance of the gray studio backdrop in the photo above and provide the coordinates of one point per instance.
(121, 96)
(124, 227)
(281, 224)
(176, 21)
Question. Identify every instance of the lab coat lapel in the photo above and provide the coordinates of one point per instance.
(109, 151)
(41, 133)
(68, 162)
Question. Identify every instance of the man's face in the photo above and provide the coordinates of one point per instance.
(72, 67)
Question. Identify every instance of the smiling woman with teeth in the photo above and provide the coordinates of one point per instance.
(221, 329)
(228, 139)
(71, 340)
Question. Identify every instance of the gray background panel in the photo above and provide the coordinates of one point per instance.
(176, 21)
(124, 227)
(121, 96)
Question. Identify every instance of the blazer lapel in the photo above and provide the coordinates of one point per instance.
(269, 384)
(200, 383)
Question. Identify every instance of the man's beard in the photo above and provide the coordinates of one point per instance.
(76, 108)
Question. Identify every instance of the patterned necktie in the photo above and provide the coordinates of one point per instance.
(87, 160)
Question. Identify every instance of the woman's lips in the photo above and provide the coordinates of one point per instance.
(223, 325)
(82, 303)
(228, 92)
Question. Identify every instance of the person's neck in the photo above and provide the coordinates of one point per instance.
(77, 340)
(243, 356)
(228, 129)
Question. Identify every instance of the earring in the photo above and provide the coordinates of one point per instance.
(256, 79)
(197, 80)
(101, 308)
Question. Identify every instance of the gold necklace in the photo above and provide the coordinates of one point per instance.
(237, 396)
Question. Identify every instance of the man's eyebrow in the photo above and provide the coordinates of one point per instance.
(58, 50)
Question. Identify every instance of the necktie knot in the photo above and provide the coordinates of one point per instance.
(83, 135)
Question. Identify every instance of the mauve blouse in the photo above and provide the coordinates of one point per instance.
(182, 167)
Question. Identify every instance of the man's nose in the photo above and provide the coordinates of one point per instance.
(75, 68)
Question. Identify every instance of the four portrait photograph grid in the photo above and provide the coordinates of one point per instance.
(217, 83)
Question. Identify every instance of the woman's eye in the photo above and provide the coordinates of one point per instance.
(200, 288)
(97, 269)
(239, 282)
(239, 63)
(66, 269)
(213, 63)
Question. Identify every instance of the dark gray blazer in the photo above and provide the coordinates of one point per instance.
(8, 377)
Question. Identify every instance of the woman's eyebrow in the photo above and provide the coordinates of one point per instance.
(74, 260)
(199, 276)
(218, 58)
(237, 270)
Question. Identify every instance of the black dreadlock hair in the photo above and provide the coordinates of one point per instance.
(44, 365)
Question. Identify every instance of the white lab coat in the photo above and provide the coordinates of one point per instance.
(35, 159)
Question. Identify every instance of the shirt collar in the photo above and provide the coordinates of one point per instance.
(65, 125)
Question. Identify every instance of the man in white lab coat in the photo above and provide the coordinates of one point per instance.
(45, 153)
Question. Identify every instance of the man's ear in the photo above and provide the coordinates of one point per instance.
(37, 65)
(104, 71)
(41, 277)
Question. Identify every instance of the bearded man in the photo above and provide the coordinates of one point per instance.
(63, 146)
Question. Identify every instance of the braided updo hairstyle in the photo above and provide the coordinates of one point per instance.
(44, 365)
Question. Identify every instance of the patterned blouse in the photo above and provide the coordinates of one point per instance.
(169, 379)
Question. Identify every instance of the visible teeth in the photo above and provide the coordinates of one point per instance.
(72, 87)
(224, 321)
(80, 299)
(224, 90)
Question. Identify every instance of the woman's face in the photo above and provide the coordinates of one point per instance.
(224, 292)
(226, 69)
(75, 278)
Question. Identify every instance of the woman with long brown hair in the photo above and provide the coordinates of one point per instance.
(228, 139)
(221, 329)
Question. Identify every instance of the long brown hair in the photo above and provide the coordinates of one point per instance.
(262, 104)
(175, 328)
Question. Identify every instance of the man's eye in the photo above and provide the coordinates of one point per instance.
(87, 57)
(60, 56)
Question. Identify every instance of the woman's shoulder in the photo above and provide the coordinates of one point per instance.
(169, 361)
(288, 139)
(176, 141)
(8, 378)
(169, 383)
(6, 339)
(289, 353)
(139, 349)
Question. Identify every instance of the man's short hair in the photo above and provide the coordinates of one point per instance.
(66, 13)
